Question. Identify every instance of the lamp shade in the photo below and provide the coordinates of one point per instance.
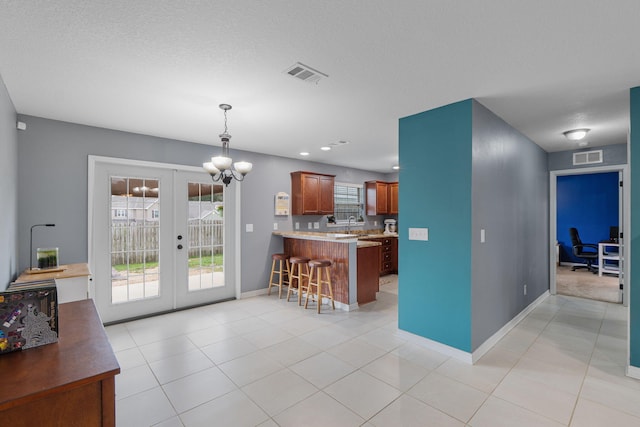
(221, 163)
(243, 167)
(210, 168)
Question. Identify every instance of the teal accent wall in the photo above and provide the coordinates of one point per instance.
(634, 160)
(435, 276)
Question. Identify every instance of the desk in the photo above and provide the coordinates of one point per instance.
(68, 383)
(72, 282)
(608, 259)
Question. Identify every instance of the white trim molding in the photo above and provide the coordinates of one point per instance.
(633, 372)
(502, 332)
(465, 356)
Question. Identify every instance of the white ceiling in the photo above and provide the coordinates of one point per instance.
(161, 67)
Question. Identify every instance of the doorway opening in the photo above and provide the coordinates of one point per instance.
(592, 201)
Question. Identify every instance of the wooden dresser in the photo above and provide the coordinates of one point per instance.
(68, 383)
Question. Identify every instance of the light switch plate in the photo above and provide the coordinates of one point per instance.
(275, 225)
(482, 235)
(249, 228)
(419, 234)
(316, 225)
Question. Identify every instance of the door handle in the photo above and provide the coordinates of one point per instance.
(179, 236)
(179, 246)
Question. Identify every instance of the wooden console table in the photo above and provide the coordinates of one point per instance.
(68, 383)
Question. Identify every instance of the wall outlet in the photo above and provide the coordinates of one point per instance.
(297, 226)
(419, 234)
(482, 235)
(275, 225)
(316, 225)
(375, 223)
(309, 226)
(525, 288)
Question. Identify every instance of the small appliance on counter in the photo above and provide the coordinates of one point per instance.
(389, 226)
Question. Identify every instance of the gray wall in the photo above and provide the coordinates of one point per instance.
(511, 202)
(52, 181)
(8, 189)
(611, 155)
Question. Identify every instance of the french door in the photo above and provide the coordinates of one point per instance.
(158, 238)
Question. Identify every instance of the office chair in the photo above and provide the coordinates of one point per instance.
(578, 251)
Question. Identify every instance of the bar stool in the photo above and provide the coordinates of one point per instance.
(300, 274)
(281, 270)
(321, 267)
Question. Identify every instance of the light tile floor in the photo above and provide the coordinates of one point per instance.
(265, 362)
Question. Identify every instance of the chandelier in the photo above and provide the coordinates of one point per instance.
(220, 166)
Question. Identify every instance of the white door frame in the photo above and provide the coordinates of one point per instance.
(626, 215)
(236, 187)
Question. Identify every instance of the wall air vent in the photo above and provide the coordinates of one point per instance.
(587, 157)
(305, 73)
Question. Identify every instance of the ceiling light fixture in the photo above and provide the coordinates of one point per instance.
(576, 134)
(220, 166)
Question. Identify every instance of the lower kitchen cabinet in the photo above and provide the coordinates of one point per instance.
(368, 273)
(388, 254)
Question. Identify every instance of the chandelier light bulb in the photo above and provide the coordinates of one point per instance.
(210, 168)
(243, 167)
(221, 163)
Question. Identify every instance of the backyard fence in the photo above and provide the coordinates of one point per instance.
(138, 242)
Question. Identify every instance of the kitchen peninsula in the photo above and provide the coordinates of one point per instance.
(354, 275)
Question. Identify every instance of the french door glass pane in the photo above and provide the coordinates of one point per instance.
(206, 237)
(135, 241)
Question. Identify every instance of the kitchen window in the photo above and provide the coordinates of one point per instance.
(348, 200)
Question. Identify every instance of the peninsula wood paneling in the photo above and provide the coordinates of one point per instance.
(337, 252)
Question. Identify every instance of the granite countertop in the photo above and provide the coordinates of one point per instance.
(334, 237)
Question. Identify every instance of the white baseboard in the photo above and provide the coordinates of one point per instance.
(473, 357)
(447, 350)
(339, 305)
(493, 339)
(255, 293)
(343, 306)
(633, 372)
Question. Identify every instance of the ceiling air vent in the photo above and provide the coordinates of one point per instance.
(587, 157)
(305, 73)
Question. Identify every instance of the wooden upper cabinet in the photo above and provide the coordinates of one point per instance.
(382, 197)
(326, 194)
(311, 193)
(393, 197)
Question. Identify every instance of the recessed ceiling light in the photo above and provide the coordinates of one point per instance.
(336, 144)
(304, 153)
(395, 167)
(576, 134)
(583, 144)
(325, 148)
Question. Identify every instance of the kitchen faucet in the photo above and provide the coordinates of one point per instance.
(349, 223)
